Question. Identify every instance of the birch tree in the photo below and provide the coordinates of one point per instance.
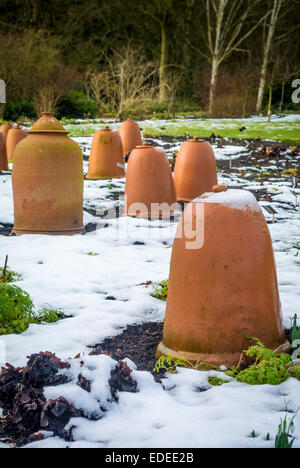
(275, 14)
(279, 8)
(225, 29)
(160, 11)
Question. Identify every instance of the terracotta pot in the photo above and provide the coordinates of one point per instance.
(226, 289)
(195, 169)
(47, 181)
(149, 184)
(5, 128)
(130, 135)
(3, 157)
(14, 136)
(107, 156)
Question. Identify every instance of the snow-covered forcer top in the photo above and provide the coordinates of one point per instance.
(237, 199)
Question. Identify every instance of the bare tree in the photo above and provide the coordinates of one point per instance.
(223, 33)
(159, 11)
(279, 10)
(45, 100)
(271, 26)
(125, 81)
(280, 71)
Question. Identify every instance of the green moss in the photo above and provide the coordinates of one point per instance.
(49, 315)
(170, 364)
(9, 276)
(161, 291)
(269, 368)
(216, 381)
(17, 311)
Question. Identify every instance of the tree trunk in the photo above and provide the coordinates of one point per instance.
(216, 55)
(121, 103)
(282, 97)
(270, 102)
(267, 49)
(245, 103)
(163, 64)
(213, 85)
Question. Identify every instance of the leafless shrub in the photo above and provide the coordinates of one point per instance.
(45, 100)
(125, 82)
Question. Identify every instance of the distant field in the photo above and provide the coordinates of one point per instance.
(279, 129)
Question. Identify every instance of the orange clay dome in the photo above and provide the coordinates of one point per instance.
(5, 128)
(195, 169)
(223, 281)
(14, 136)
(150, 190)
(107, 156)
(3, 157)
(47, 181)
(131, 135)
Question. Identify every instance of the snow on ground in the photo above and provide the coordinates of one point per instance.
(125, 253)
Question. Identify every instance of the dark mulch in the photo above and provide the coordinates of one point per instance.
(136, 342)
(27, 412)
(25, 408)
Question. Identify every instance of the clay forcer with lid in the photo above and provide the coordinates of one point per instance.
(130, 135)
(150, 190)
(195, 169)
(107, 156)
(14, 136)
(3, 157)
(47, 181)
(225, 287)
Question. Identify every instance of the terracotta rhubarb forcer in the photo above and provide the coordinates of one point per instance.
(48, 181)
(130, 135)
(3, 157)
(226, 288)
(107, 156)
(14, 136)
(195, 169)
(5, 128)
(150, 190)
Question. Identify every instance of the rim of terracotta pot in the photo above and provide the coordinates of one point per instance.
(145, 145)
(197, 140)
(87, 177)
(154, 215)
(106, 129)
(47, 123)
(67, 232)
(217, 359)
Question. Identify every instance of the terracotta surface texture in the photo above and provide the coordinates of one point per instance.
(5, 128)
(3, 156)
(107, 156)
(47, 181)
(195, 169)
(14, 136)
(225, 289)
(131, 135)
(150, 190)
